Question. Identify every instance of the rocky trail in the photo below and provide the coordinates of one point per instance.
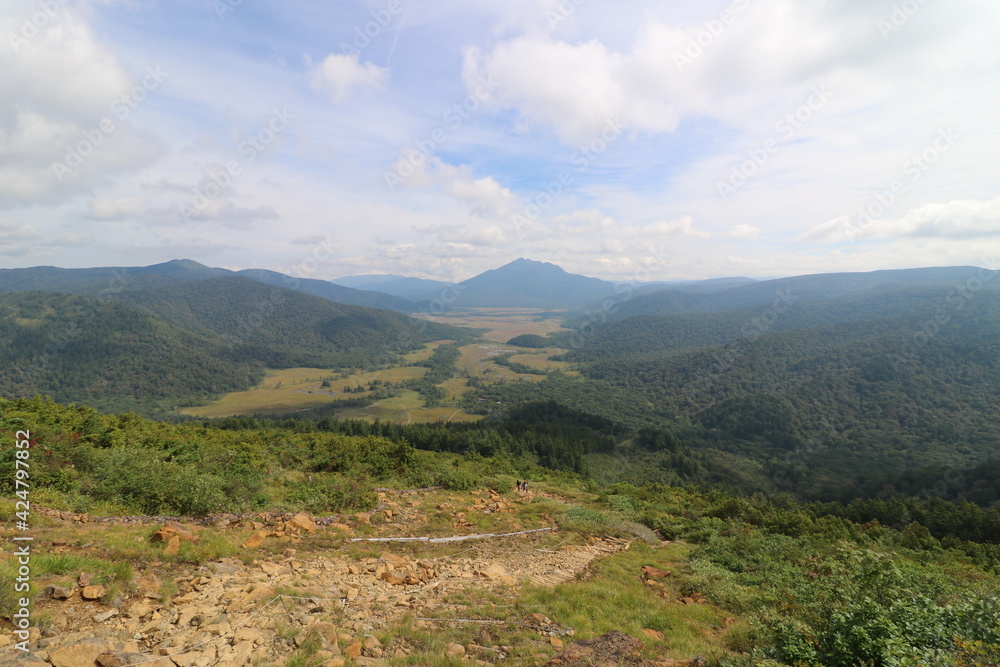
(261, 608)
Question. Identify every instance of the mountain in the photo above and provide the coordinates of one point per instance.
(401, 286)
(112, 356)
(113, 280)
(283, 328)
(646, 336)
(331, 291)
(524, 283)
(182, 343)
(798, 288)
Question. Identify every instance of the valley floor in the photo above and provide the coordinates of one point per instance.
(289, 390)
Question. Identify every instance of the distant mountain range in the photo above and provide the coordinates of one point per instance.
(115, 279)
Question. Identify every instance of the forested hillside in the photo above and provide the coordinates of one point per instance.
(876, 394)
(180, 344)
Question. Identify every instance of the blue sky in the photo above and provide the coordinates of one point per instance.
(652, 140)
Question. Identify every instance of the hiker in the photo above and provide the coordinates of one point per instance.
(519, 485)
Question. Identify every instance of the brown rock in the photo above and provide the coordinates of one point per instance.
(363, 517)
(60, 593)
(494, 571)
(556, 642)
(85, 579)
(340, 526)
(392, 559)
(148, 586)
(395, 577)
(93, 592)
(83, 654)
(163, 534)
(372, 642)
(302, 521)
(650, 572)
(335, 662)
(455, 649)
(255, 540)
(354, 650)
(649, 633)
(119, 659)
(173, 546)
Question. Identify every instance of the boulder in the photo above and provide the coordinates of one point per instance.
(148, 586)
(93, 592)
(173, 546)
(83, 654)
(255, 540)
(59, 593)
(302, 521)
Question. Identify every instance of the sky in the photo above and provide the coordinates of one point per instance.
(628, 141)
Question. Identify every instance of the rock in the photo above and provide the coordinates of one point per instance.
(302, 521)
(163, 534)
(245, 634)
(85, 579)
(173, 546)
(59, 593)
(255, 540)
(148, 586)
(649, 633)
(100, 618)
(93, 592)
(354, 650)
(186, 659)
(341, 526)
(335, 662)
(83, 654)
(494, 571)
(650, 572)
(363, 517)
(395, 577)
(372, 642)
(556, 642)
(119, 659)
(455, 649)
(392, 559)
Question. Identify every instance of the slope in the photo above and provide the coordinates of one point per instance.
(108, 281)
(524, 283)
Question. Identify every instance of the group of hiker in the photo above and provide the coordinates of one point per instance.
(522, 486)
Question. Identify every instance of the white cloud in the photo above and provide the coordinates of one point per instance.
(105, 208)
(17, 239)
(744, 231)
(341, 74)
(955, 220)
(67, 84)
